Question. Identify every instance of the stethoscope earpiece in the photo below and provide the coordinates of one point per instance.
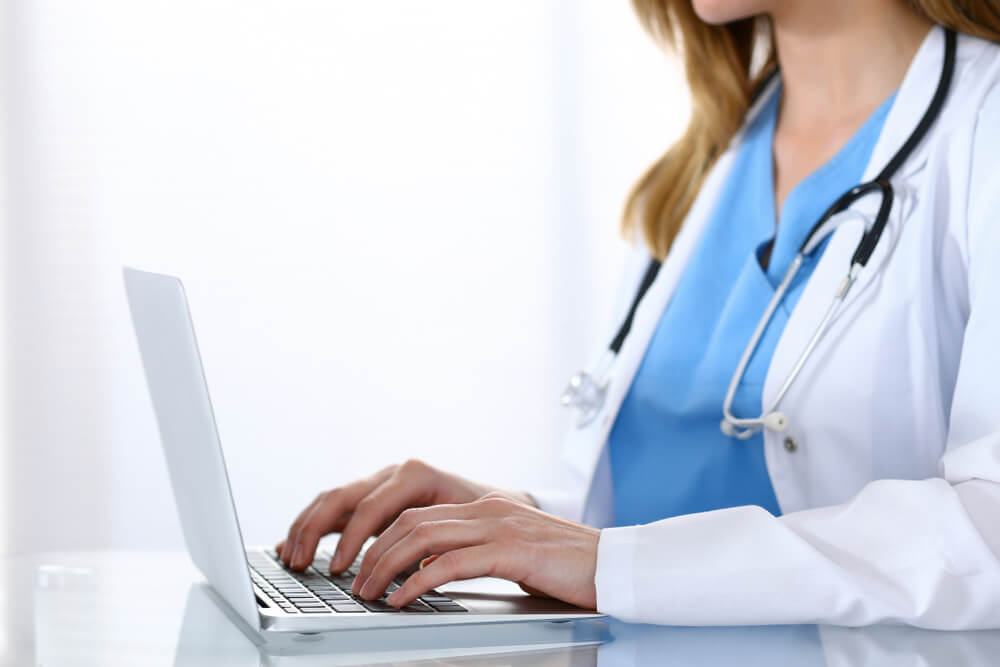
(776, 421)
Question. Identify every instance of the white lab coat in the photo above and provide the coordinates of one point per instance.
(891, 497)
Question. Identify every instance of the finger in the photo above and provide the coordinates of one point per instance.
(323, 519)
(465, 563)
(372, 513)
(288, 547)
(406, 522)
(353, 494)
(427, 538)
(290, 542)
(339, 525)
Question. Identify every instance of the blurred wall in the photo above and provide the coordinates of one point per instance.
(396, 223)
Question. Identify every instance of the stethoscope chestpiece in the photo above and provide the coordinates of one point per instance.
(586, 395)
(774, 421)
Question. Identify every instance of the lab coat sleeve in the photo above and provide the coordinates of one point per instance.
(923, 552)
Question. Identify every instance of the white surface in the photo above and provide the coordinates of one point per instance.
(396, 221)
(4, 261)
(83, 609)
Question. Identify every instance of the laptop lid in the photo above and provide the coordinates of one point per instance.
(190, 438)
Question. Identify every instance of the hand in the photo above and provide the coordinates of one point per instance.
(493, 536)
(364, 508)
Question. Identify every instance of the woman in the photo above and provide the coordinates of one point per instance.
(872, 495)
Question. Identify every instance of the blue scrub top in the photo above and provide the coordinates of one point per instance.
(668, 456)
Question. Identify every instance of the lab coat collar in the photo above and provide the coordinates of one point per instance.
(911, 103)
(914, 96)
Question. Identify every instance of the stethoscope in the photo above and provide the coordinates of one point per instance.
(587, 391)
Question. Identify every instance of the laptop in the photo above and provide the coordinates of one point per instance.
(252, 581)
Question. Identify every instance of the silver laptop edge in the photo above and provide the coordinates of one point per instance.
(177, 386)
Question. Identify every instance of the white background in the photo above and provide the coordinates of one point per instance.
(396, 221)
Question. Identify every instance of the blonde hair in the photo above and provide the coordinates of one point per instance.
(723, 65)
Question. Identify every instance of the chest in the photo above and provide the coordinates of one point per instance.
(873, 399)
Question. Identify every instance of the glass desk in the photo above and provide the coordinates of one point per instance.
(148, 608)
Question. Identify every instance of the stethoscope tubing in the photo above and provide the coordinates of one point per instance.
(587, 393)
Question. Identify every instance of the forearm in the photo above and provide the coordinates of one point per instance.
(900, 552)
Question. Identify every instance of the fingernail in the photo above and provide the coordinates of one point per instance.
(355, 587)
(294, 559)
(393, 597)
(335, 562)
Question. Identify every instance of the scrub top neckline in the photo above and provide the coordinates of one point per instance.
(782, 251)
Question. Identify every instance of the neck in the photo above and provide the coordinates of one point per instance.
(840, 64)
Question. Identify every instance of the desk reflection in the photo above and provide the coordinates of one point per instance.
(210, 635)
(121, 608)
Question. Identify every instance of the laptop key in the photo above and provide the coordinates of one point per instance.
(348, 608)
(449, 607)
(378, 605)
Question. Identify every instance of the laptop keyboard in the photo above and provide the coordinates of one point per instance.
(316, 591)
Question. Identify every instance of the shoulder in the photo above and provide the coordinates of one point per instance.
(961, 188)
(979, 92)
(982, 201)
(977, 79)
(970, 129)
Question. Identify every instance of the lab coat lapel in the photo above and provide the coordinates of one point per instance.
(585, 444)
(911, 102)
